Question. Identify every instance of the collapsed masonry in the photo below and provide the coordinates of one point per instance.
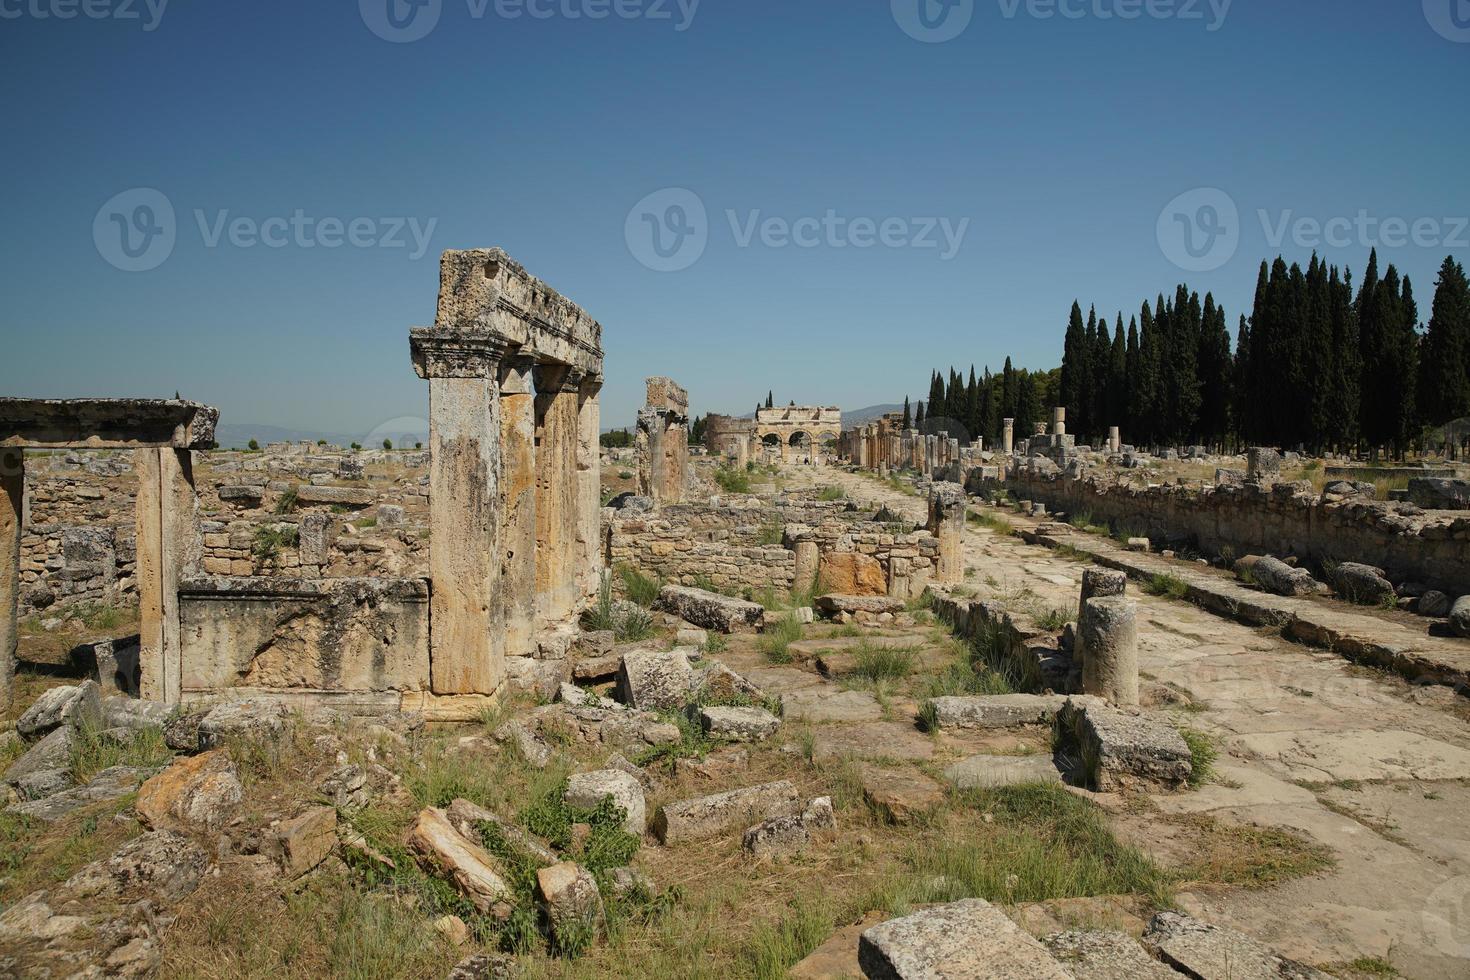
(662, 442)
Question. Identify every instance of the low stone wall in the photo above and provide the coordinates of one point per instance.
(332, 638)
(1412, 545)
(680, 545)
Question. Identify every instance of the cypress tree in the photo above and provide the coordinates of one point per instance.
(1129, 420)
(1074, 367)
(908, 415)
(1347, 367)
(1117, 385)
(1444, 369)
(1214, 374)
(1240, 394)
(919, 417)
(1146, 386)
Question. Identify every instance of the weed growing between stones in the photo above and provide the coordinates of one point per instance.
(994, 522)
(878, 664)
(732, 480)
(641, 589)
(775, 642)
(1202, 755)
(1164, 584)
(95, 749)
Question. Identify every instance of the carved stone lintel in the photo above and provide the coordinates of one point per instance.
(454, 354)
(560, 378)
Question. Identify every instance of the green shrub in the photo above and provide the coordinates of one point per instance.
(269, 541)
(732, 480)
(642, 589)
(1168, 585)
(778, 637)
(876, 663)
(1202, 756)
(832, 493)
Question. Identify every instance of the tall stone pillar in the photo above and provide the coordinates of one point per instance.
(12, 511)
(1008, 436)
(170, 546)
(947, 523)
(1115, 439)
(557, 492)
(517, 610)
(589, 482)
(467, 645)
(1059, 421)
(808, 561)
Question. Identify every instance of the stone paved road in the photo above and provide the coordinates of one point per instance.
(1356, 759)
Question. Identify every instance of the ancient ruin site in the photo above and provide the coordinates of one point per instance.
(472, 507)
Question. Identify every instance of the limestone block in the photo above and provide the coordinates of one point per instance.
(59, 706)
(708, 816)
(790, 832)
(971, 938)
(303, 842)
(344, 496)
(1277, 577)
(994, 710)
(196, 792)
(655, 680)
(569, 897)
(441, 849)
(991, 771)
(1199, 949)
(711, 610)
(850, 573)
(588, 789)
(252, 718)
(832, 605)
(1100, 955)
(1122, 750)
(1360, 583)
(738, 724)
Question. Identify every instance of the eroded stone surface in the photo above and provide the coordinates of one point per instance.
(968, 940)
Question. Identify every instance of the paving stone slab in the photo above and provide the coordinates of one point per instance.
(992, 771)
(967, 940)
(1099, 955)
(827, 703)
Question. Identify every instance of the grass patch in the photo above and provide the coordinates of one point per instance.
(1202, 756)
(732, 480)
(94, 750)
(641, 589)
(776, 947)
(878, 664)
(628, 624)
(270, 539)
(1249, 856)
(994, 522)
(1164, 584)
(1044, 843)
(832, 493)
(776, 641)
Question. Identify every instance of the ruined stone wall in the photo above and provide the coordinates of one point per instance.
(80, 537)
(687, 544)
(1430, 547)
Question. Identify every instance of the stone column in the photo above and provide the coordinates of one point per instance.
(947, 523)
(517, 607)
(557, 492)
(12, 511)
(1115, 439)
(1059, 421)
(1107, 636)
(648, 451)
(589, 481)
(466, 644)
(808, 560)
(1102, 583)
(170, 547)
(1008, 436)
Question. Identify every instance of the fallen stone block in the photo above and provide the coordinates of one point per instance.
(1361, 583)
(708, 816)
(971, 939)
(1460, 616)
(738, 724)
(591, 670)
(834, 605)
(199, 791)
(109, 784)
(653, 680)
(691, 637)
(536, 752)
(1438, 493)
(1101, 955)
(718, 682)
(1276, 576)
(711, 610)
(300, 844)
(569, 897)
(467, 818)
(76, 706)
(43, 784)
(899, 795)
(1433, 603)
(1198, 949)
(790, 832)
(51, 752)
(994, 710)
(247, 719)
(441, 849)
(539, 678)
(992, 771)
(588, 789)
(1120, 750)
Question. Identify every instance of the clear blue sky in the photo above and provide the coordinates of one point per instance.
(1061, 140)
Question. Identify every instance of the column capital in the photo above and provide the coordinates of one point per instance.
(456, 354)
(515, 375)
(560, 378)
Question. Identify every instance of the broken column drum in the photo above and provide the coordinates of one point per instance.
(1107, 636)
(662, 442)
(947, 523)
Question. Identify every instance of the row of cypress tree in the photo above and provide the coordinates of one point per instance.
(1315, 366)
